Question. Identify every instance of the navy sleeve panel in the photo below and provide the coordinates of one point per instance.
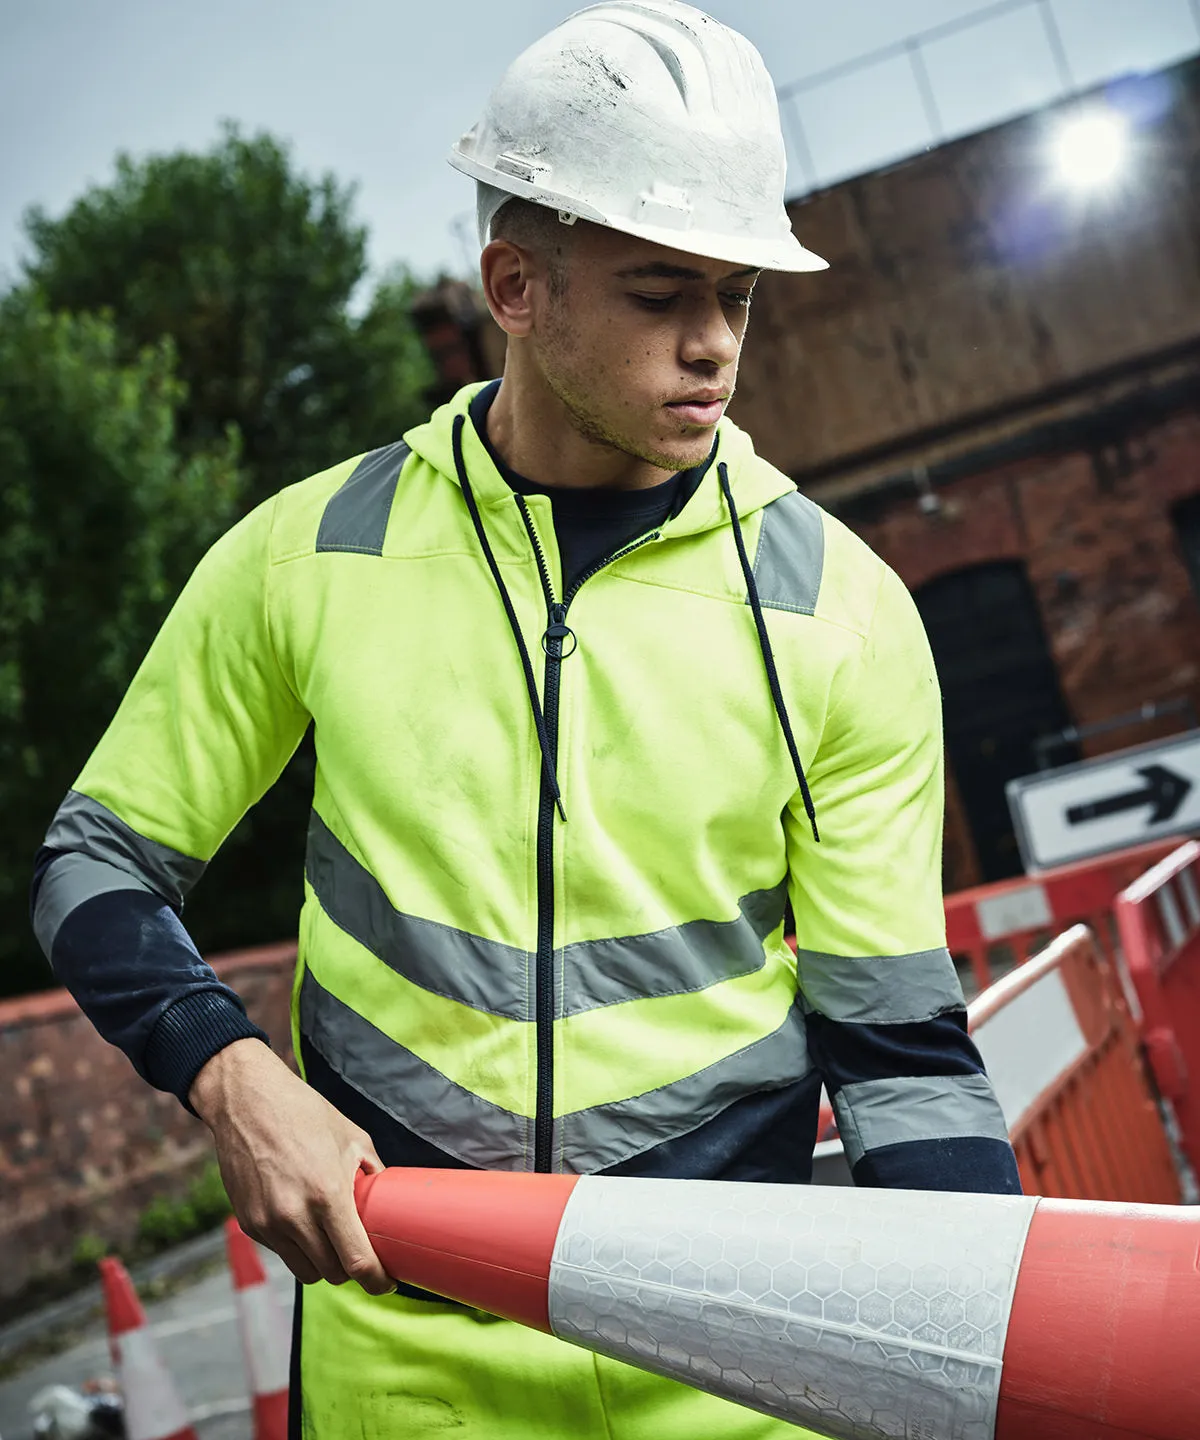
(136, 974)
(848, 1052)
(882, 1080)
(972, 1163)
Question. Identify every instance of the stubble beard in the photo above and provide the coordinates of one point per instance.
(559, 343)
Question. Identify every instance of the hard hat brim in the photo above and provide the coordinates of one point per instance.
(783, 254)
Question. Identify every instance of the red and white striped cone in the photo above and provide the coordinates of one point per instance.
(153, 1408)
(856, 1313)
(266, 1338)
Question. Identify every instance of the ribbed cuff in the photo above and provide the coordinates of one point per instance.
(189, 1033)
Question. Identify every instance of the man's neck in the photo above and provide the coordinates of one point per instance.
(534, 434)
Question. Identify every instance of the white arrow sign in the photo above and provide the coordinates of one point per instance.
(1123, 799)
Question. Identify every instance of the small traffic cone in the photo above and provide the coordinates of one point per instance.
(153, 1408)
(266, 1341)
(856, 1313)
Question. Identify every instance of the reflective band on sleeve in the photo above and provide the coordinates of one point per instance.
(494, 977)
(880, 989)
(84, 825)
(356, 518)
(865, 1314)
(875, 1113)
(791, 555)
(70, 881)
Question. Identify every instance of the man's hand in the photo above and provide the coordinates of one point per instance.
(288, 1160)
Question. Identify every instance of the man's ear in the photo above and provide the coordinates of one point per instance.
(507, 272)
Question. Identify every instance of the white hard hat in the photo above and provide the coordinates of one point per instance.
(647, 116)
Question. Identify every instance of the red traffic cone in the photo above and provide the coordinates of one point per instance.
(856, 1313)
(266, 1340)
(153, 1408)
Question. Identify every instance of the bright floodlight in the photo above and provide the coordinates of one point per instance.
(1090, 150)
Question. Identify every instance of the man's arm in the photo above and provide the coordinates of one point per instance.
(884, 1008)
(205, 728)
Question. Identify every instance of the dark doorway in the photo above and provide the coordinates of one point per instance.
(1000, 693)
(1186, 516)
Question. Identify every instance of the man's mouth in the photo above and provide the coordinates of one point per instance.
(700, 411)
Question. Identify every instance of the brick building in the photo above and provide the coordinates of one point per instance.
(997, 384)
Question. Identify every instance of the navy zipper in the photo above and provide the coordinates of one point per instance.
(556, 633)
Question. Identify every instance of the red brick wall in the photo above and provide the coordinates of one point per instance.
(85, 1143)
(1121, 617)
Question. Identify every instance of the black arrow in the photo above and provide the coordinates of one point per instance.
(1165, 790)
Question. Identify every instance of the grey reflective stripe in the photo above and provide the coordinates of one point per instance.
(677, 961)
(356, 518)
(875, 1113)
(607, 1134)
(879, 989)
(791, 555)
(84, 825)
(432, 1106)
(481, 973)
(494, 977)
(71, 881)
(410, 1090)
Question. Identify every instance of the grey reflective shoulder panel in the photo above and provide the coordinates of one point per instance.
(356, 517)
(84, 825)
(875, 1113)
(879, 989)
(409, 1089)
(605, 1135)
(791, 555)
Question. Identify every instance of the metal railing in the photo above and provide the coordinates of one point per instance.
(914, 49)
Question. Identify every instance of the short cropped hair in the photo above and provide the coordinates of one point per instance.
(538, 229)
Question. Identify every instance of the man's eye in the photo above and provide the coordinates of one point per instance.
(656, 302)
(738, 298)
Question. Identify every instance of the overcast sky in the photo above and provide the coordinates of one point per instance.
(377, 90)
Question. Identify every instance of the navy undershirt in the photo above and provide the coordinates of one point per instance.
(591, 524)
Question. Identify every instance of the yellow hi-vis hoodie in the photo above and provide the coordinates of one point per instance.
(552, 836)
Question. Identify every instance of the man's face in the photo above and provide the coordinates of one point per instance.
(636, 332)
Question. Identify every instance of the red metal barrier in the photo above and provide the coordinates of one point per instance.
(1061, 1047)
(991, 929)
(1158, 917)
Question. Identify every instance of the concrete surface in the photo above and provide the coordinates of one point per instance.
(198, 1339)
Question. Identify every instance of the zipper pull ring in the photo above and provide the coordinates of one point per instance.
(558, 630)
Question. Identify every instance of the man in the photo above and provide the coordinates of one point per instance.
(568, 772)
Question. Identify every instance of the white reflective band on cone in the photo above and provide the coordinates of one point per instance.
(863, 1313)
(264, 1340)
(153, 1408)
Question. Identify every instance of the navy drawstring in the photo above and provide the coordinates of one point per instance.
(539, 720)
(764, 644)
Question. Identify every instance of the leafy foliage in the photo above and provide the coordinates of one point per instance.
(100, 520)
(197, 311)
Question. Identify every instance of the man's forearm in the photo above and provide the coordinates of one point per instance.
(135, 972)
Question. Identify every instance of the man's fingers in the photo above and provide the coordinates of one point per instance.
(296, 1261)
(355, 1252)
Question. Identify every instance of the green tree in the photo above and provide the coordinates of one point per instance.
(100, 521)
(251, 268)
(257, 275)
